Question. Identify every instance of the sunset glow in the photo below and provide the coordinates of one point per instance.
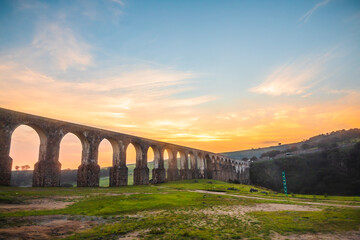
(210, 75)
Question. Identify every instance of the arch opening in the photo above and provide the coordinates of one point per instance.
(70, 157)
(131, 156)
(208, 166)
(200, 165)
(168, 159)
(190, 156)
(151, 164)
(178, 160)
(25, 149)
(105, 161)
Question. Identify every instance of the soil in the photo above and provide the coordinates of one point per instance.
(268, 207)
(133, 235)
(43, 227)
(37, 204)
(352, 235)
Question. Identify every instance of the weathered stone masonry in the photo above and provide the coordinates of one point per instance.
(194, 163)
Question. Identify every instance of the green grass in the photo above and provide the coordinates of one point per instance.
(173, 211)
(256, 225)
(328, 220)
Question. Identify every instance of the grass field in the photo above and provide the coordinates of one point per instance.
(178, 210)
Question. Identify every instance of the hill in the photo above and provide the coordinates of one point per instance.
(341, 138)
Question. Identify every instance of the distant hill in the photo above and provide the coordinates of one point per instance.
(341, 138)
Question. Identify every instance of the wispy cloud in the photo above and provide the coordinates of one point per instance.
(120, 2)
(60, 45)
(139, 102)
(308, 14)
(293, 78)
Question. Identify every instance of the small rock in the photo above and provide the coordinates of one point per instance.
(253, 190)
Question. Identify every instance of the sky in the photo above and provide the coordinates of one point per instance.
(214, 75)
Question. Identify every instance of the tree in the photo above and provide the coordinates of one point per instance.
(17, 167)
(244, 159)
(253, 158)
(25, 167)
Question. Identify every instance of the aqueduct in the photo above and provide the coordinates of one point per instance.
(194, 163)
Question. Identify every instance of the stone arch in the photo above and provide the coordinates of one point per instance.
(192, 160)
(39, 150)
(138, 153)
(141, 171)
(89, 170)
(200, 165)
(158, 172)
(209, 166)
(183, 160)
(41, 133)
(172, 171)
(171, 156)
(157, 160)
(192, 165)
(216, 172)
(119, 170)
(114, 156)
(129, 148)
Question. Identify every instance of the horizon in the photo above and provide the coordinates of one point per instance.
(212, 75)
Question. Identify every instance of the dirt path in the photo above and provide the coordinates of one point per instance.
(278, 200)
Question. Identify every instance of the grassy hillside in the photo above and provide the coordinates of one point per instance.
(192, 209)
(342, 138)
(332, 171)
(257, 152)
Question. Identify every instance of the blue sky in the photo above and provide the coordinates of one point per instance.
(220, 75)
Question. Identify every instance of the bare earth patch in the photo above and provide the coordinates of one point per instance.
(45, 227)
(352, 235)
(278, 200)
(38, 204)
(266, 207)
(134, 235)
